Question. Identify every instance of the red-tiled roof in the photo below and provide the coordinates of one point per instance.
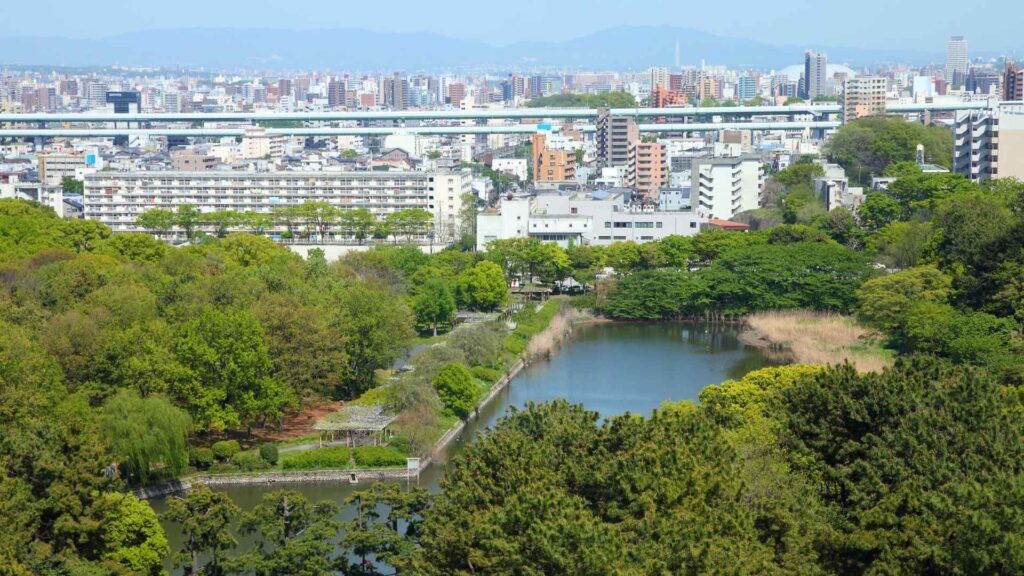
(727, 225)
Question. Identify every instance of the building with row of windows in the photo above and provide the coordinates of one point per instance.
(118, 198)
(592, 218)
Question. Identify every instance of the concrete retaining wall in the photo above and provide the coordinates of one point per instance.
(270, 478)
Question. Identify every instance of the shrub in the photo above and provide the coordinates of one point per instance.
(402, 444)
(378, 456)
(249, 460)
(486, 374)
(269, 453)
(333, 457)
(225, 449)
(201, 458)
(456, 388)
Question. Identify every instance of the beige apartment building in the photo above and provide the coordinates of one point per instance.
(864, 96)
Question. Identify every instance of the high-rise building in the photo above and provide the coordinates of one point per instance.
(648, 168)
(659, 77)
(863, 96)
(1013, 82)
(746, 88)
(727, 186)
(335, 94)
(613, 137)
(815, 75)
(956, 62)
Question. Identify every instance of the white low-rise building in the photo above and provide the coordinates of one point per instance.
(598, 218)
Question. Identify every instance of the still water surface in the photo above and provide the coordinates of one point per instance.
(610, 368)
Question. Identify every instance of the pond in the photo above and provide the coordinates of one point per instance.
(611, 368)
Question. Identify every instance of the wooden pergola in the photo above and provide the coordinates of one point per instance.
(358, 425)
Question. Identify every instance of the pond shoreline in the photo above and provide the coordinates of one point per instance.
(357, 476)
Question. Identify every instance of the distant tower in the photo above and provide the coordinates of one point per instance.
(957, 64)
(677, 54)
(815, 75)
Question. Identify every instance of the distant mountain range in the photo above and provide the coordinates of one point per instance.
(621, 48)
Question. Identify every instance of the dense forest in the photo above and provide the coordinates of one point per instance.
(120, 355)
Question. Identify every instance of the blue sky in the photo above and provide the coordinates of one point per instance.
(919, 24)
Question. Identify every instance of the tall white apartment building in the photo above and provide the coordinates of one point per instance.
(727, 186)
(989, 143)
(118, 198)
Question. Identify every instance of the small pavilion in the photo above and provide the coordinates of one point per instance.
(357, 425)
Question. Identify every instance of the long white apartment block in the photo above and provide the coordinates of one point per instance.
(118, 198)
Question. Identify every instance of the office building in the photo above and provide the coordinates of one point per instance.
(117, 198)
(1013, 82)
(957, 63)
(983, 80)
(815, 75)
(863, 96)
(989, 143)
(746, 88)
(648, 168)
(551, 165)
(727, 186)
(613, 138)
(335, 94)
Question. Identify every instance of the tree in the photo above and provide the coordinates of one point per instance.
(381, 536)
(28, 228)
(377, 327)
(157, 220)
(878, 210)
(130, 540)
(865, 147)
(84, 235)
(304, 349)
(293, 536)
(71, 185)
(897, 456)
(133, 247)
(481, 287)
(409, 223)
(188, 219)
(434, 303)
(230, 380)
(885, 301)
(147, 436)
(357, 222)
(901, 244)
(205, 517)
(454, 384)
(655, 496)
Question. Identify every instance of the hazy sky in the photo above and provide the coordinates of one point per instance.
(991, 25)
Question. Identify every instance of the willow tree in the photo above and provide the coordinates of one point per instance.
(146, 435)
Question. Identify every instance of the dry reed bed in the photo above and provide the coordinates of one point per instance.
(546, 342)
(820, 338)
